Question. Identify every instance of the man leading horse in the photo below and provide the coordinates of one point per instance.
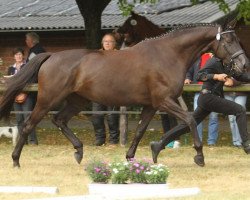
(215, 75)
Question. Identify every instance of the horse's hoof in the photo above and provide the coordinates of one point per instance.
(155, 148)
(199, 160)
(246, 147)
(78, 157)
(16, 164)
(129, 157)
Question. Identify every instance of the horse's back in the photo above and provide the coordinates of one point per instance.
(61, 63)
(58, 70)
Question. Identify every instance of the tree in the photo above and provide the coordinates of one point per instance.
(91, 10)
(244, 10)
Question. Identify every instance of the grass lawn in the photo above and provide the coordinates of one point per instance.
(51, 163)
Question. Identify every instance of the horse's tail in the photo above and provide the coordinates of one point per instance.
(14, 85)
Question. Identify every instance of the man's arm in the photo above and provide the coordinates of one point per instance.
(245, 77)
(210, 72)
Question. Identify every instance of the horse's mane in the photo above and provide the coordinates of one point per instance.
(181, 28)
(187, 26)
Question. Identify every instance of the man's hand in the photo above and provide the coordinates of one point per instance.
(229, 82)
(220, 77)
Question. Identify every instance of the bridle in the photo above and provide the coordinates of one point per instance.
(123, 36)
(132, 22)
(231, 64)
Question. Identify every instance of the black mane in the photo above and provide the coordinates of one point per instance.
(182, 28)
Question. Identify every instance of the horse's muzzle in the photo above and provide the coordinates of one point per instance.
(240, 63)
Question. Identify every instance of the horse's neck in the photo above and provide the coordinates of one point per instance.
(149, 31)
(195, 43)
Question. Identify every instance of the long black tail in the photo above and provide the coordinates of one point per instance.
(28, 74)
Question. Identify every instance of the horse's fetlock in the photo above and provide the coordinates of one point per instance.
(79, 147)
(57, 122)
(198, 147)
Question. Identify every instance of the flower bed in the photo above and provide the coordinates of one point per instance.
(132, 171)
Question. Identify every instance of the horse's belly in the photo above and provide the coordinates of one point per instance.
(112, 98)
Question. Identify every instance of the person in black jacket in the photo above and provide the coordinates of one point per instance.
(33, 43)
(213, 123)
(214, 75)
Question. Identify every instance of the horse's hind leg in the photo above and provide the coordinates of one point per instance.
(30, 123)
(146, 116)
(74, 104)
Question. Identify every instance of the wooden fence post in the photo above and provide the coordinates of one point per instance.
(123, 126)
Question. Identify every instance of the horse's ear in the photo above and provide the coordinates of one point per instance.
(133, 21)
(133, 14)
(231, 24)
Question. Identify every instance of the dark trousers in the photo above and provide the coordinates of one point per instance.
(168, 122)
(20, 117)
(208, 103)
(99, 125)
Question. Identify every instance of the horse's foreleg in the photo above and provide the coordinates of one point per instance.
(72, 107)
(146, 116)
(173, 108)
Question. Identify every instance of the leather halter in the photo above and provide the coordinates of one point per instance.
(237, 53)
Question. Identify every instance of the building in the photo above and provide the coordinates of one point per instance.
(61, 26)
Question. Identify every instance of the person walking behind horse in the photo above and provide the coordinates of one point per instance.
(23, 101)
(214, 75)
(213, 124)
(33, 43)
(108, 44)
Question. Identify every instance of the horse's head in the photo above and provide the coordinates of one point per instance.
(136, 28)
(229, 50)
(128, 31)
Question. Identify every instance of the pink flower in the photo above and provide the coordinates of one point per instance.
(97, 169)
(137, 171)
(136, 164)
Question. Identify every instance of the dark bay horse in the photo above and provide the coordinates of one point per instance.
(150, 74)
(135, 29)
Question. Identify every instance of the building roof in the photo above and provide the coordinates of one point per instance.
(44, 15)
